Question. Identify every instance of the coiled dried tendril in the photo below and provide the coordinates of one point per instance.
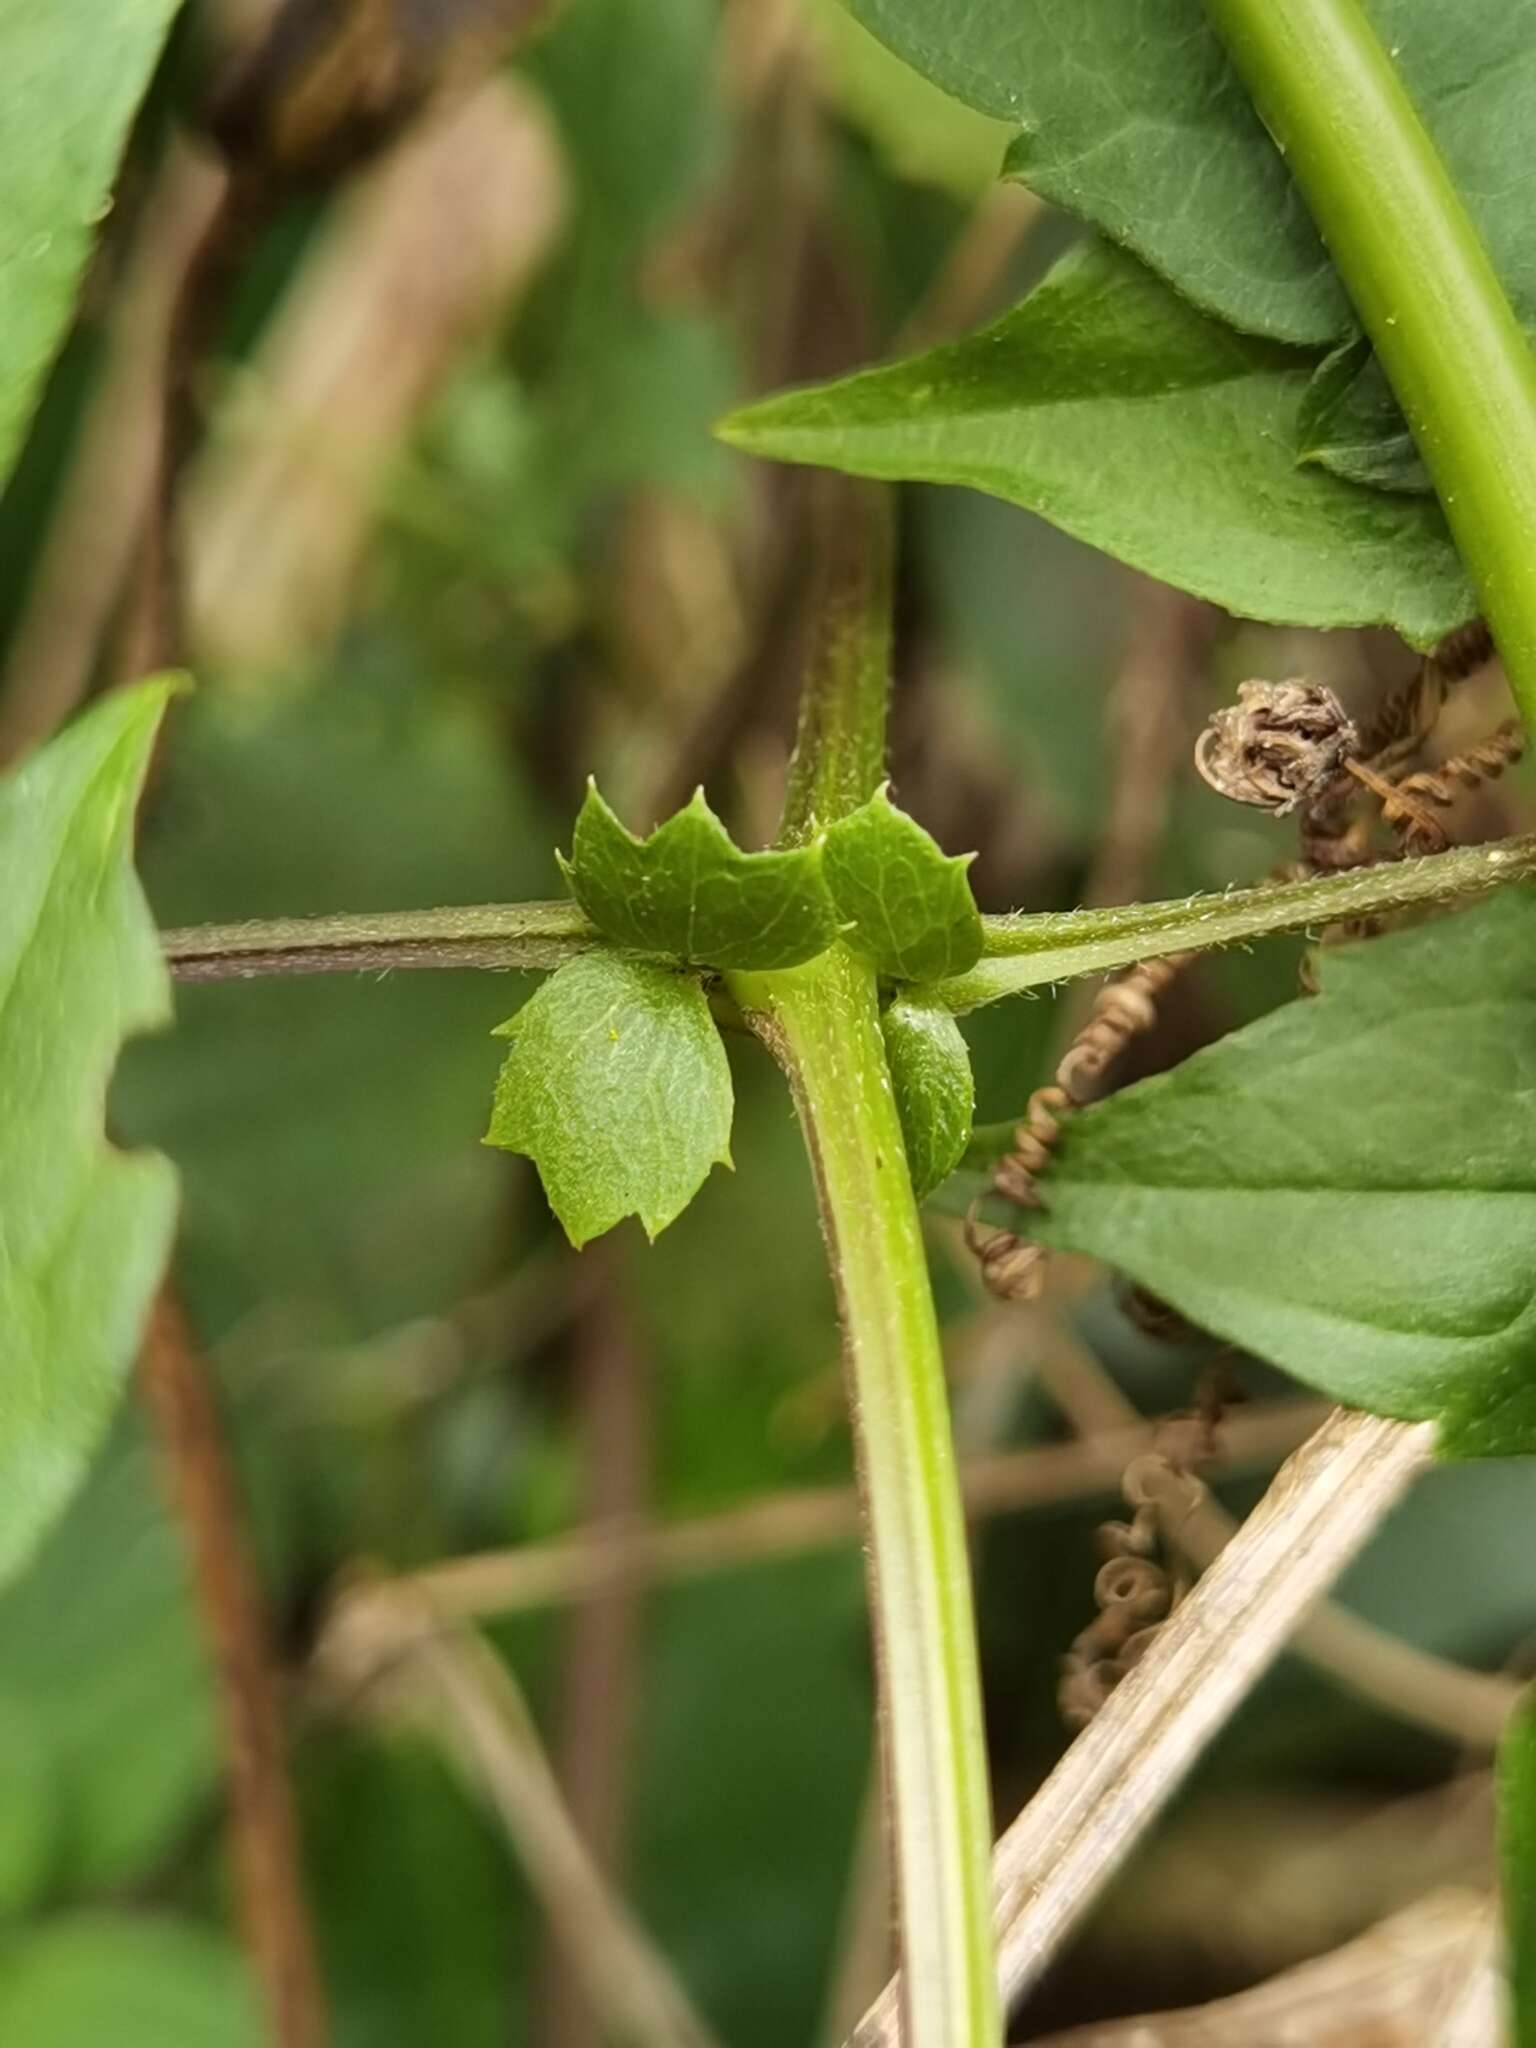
(1141, 1581)
(1012, 1266)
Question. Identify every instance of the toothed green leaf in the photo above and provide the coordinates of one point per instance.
(690, 893)
(1112, 407)
(935, 1093)
(902, 901)
(1346, 1187)
(84, 1231)
(618, 1089)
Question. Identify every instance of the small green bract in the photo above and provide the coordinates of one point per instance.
(618, 1089)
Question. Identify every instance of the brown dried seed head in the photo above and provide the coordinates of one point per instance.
(1280, 745)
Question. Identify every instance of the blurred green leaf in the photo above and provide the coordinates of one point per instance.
(935, 1095)
(618, 1089)
(1134, 118)
(1517, 1841)
(30, 1809)
(86, 1230)
(757, 1717)
(133, 1981)
(1109, 405)
(415, 1895)
(1350, 422)
(905, 903)
(121, 1761)
(690, 893)
(1345, 1186)
(73, 76)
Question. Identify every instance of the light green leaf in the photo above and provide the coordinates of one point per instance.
(618, 1089)
(135, 1981)
(935, 1093)
(1113, 408)
(904, 903)
(1135, 119)
(84, 1231)
(72, 73)
(1346, 1187)
(689, 892)
(1517, 1845)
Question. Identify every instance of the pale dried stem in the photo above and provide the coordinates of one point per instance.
(602, 1650)
(1466, 1707)
(975, 268)
(590, 1563)
(1088, 1816)
(424, 257)
(391, 1639)
(1428, 1968)
(107, 489)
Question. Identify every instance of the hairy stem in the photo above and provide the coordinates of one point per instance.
(822, 1023)
(839, 757)
(1421, 281)
(1023, 950)
(538, 936)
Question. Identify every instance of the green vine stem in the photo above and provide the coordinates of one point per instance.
(1421, 280)
(822, 1023)
(1024, 950)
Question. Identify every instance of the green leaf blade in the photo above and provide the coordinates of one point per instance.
(85, 1230)
(73, 73)
(935, 1091)
(1346, 1186)
(1137, 122)
(689, 893)
(138, 1980)
(618, 1088)
(905, 904)
(1115, 410)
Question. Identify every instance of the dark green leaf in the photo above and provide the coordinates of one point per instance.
(137, 1981)
(73, 74)
(1351, 423)
(935, 1095)
(1135, 119)
(903, 902)
(690, 893)
(1346, 1187)
(618, 1089)
(1517, 1842)
(1112, 407)
(85, 1231)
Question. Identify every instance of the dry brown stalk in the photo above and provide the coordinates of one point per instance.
(263, 1832)
(387, 1647)
(582, 1566)
(1429, 1967)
